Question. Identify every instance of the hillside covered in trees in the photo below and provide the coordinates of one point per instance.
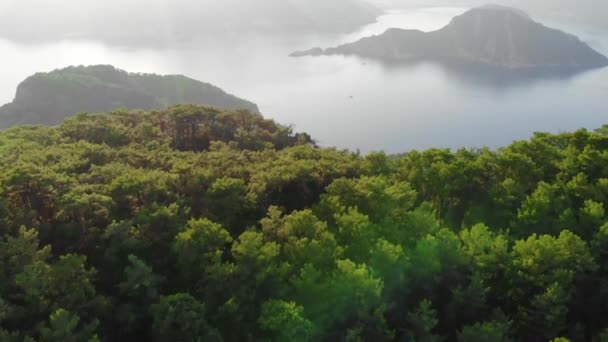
(49, 98)
(196, 224)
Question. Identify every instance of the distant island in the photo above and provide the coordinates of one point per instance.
(48, 98)
(491, 35)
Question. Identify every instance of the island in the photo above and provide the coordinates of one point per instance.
(491, 35)
(48, 98)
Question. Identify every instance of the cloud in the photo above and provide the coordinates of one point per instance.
(590, 13)
(158, 21)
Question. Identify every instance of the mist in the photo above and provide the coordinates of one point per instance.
(153, 23)
(588, 13)
(162, 22)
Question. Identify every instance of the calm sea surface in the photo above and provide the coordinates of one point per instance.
(352, 103)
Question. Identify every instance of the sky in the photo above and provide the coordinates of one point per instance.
(138, 21)
(150, 22)
(592, 13)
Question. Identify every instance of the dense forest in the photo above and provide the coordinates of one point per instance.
(197, 224)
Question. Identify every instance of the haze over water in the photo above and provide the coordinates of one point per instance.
(350, 102)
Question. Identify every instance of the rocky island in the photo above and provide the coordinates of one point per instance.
(491, 35)
(48, 98)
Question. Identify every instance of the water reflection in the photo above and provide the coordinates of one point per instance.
(486, 76)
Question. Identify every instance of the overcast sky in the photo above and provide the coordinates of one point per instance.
(146, 22)
(113, 20)
(590, 12)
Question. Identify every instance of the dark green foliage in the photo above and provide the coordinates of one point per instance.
(196, 224)
(486, 331)
(63, 326)
(286, 321)
(181, 317)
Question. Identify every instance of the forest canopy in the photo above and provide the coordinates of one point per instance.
(197, 224)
